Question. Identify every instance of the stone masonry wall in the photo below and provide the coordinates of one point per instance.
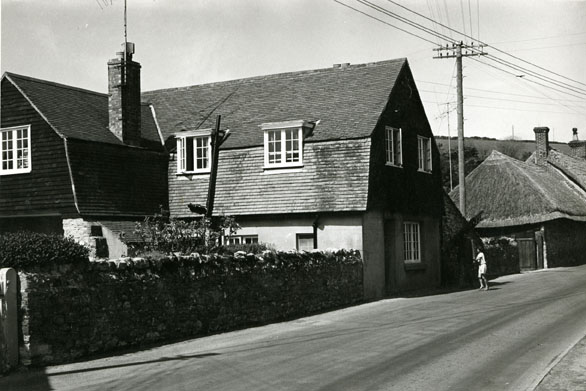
(74, 311)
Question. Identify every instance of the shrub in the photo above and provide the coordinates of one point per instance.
(23, 249)
(254, 248)
(162, 234)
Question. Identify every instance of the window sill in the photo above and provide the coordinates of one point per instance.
(425, 171)
(282, 170)
(410, 266)
(191, 174)
(393, 165)
(282, 165)
(15, 172)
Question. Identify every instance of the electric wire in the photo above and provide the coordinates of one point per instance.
(431, 32)
(382, 21)
(488, 45)
(501, 93)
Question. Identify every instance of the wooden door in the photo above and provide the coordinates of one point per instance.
(527, 256)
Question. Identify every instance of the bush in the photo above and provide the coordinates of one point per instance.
(165, 235)
(249, 248)
(23, 249)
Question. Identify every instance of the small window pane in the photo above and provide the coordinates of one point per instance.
(411, 242)
(274, 147)
(305, 242)
(15, 150)
(393, 146)
(201, 153)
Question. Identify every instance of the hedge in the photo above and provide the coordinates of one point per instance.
(24, 249)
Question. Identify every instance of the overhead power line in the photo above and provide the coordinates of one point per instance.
(420, 27)
(499, 92)
(488, 45)
(382, 21)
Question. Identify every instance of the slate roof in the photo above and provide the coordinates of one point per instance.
(109, 178)
(334, 178)
(77, 113)
(348, 101)
(510, 192)
(112, 180)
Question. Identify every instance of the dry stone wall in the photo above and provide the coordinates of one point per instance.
(72, 311)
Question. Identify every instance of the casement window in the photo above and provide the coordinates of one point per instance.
(283, 144)
(424, 153)
(242, 239)
(194, 152)
(15, 150)
(305, 242)
(393, 146)
(411, 242)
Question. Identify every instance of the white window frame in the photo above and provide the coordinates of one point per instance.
(13, 147)
(411, 242)
(192, 136)
(394, 146)
(303, 237)
(241, 239)
(283, 128)
(424, 154)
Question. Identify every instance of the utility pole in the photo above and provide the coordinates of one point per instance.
(447, 114)
(456, 51)
(217, 138)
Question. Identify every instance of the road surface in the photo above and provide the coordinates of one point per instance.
(507, 338)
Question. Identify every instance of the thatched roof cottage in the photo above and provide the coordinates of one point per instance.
(540, 202)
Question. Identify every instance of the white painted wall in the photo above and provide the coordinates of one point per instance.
(333, 231)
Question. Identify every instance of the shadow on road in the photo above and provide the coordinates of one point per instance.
(38, 379)
(130, 364)
(30, 380)
(498, 283)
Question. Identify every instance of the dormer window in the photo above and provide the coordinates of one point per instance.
(283, 143)
(193, 152)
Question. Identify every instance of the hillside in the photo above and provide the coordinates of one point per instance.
(476, 149)
(519, 149)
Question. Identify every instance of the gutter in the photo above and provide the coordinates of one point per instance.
(71, 175)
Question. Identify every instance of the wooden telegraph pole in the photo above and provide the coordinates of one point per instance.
(457, 52)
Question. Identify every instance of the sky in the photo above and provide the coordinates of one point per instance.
(187, 42)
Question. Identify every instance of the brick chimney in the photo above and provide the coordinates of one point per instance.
(541, 145)
(578, 148)
(124, 96)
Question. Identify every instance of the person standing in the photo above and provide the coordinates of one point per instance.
(481, 269)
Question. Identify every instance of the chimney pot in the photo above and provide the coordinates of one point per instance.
(577, 147)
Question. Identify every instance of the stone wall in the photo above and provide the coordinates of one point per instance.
(71, 312)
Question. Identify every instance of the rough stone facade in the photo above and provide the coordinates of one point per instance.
(70, 312)
(79, 229)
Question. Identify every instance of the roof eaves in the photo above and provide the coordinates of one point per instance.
(152, 107)
(526, 220)
(71, 175)
(7, 76)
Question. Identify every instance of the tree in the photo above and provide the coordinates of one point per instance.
(471, 161)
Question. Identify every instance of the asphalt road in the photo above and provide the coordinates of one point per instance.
(505, 339)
